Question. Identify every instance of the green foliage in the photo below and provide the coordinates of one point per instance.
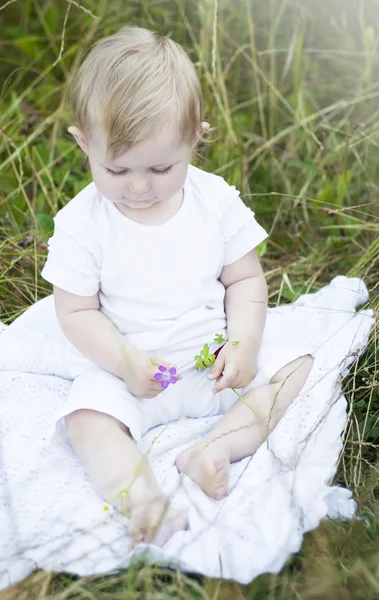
(219, 339)
(204, 359)
(364, 391)
(45, 223)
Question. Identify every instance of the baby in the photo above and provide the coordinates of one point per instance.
(148, 263)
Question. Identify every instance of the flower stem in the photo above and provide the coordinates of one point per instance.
(245, 401)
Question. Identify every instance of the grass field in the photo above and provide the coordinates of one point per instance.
(292, 94)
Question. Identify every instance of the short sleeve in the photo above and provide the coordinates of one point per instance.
(240, 230)
(73, 261)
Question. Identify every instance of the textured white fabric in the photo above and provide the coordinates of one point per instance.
(51, 518)
(157, 284)
(96, 389)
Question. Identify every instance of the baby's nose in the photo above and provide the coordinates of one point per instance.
(139, 186)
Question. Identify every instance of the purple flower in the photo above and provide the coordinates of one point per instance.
(166, 376)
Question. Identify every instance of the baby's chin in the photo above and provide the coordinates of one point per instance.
(138, 204)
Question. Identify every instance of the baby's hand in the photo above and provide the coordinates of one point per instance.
(139, 372)
(235, 366)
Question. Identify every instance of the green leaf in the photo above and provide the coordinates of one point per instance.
(51, 16)
(360, 403)
(326, 194)
(261, 249)
(205, 351)
(199, 363)
(41, 153)
(79, 185)
(204, 359)
(219, 338)
(342, 184)
(374, 433)
(8, 182)
(45, 222)
(28, 44)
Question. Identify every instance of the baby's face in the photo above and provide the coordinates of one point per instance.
(153, 171)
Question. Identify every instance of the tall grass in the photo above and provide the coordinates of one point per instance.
(292, 94)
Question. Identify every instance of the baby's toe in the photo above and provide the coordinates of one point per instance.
(175, 521)
(221, 478)
(155, 523)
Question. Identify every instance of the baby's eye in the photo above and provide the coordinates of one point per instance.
(116, 172)
(163, 171)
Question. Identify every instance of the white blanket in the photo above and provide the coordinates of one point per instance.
(51, 518)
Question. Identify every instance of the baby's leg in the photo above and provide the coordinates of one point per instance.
(114, 462)
(241, 430)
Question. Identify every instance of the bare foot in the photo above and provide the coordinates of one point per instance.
(208, 466)
(155, 521)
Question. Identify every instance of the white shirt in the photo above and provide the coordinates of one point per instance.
(158, 284)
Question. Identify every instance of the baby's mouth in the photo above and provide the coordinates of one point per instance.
(137, 201)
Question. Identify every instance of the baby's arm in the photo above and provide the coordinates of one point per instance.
(89, 330)
(245, 300)
(246, 308)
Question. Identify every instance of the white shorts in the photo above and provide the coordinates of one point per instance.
(96, 389)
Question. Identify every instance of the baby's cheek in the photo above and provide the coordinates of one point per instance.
(109, 189)
(166, 189)
(177, 181)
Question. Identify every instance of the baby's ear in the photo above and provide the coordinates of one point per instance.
(80, 137)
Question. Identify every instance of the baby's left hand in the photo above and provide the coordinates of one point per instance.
(235, 366)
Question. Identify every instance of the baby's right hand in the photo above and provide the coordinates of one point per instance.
(139, 371)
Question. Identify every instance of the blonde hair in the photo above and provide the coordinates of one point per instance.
(133, 82)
